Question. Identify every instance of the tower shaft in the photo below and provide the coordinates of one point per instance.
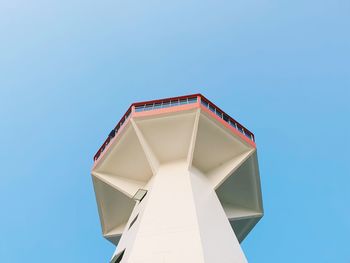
(180, 219)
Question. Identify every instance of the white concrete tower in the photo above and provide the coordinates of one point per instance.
(177, 180)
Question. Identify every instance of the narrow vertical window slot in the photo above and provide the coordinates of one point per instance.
(118, 258)
(133, 221)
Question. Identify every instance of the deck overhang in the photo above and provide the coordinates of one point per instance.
(190, 132)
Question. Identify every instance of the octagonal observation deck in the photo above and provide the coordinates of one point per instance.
(188, 128)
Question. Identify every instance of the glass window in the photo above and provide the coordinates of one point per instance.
(192, 100)
(232, 124)
(157, 105)
(174, 102)
(166, 104)
(219, 114)
(183, 101)
(226, 118)
(111, 134)
(205, 103)
(211, 107)
(139, 108)
(149, 106)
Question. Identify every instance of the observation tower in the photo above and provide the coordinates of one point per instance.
(177, 181)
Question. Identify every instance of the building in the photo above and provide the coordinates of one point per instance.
(177, 180)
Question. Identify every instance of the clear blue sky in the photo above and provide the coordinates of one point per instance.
(69, 70)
